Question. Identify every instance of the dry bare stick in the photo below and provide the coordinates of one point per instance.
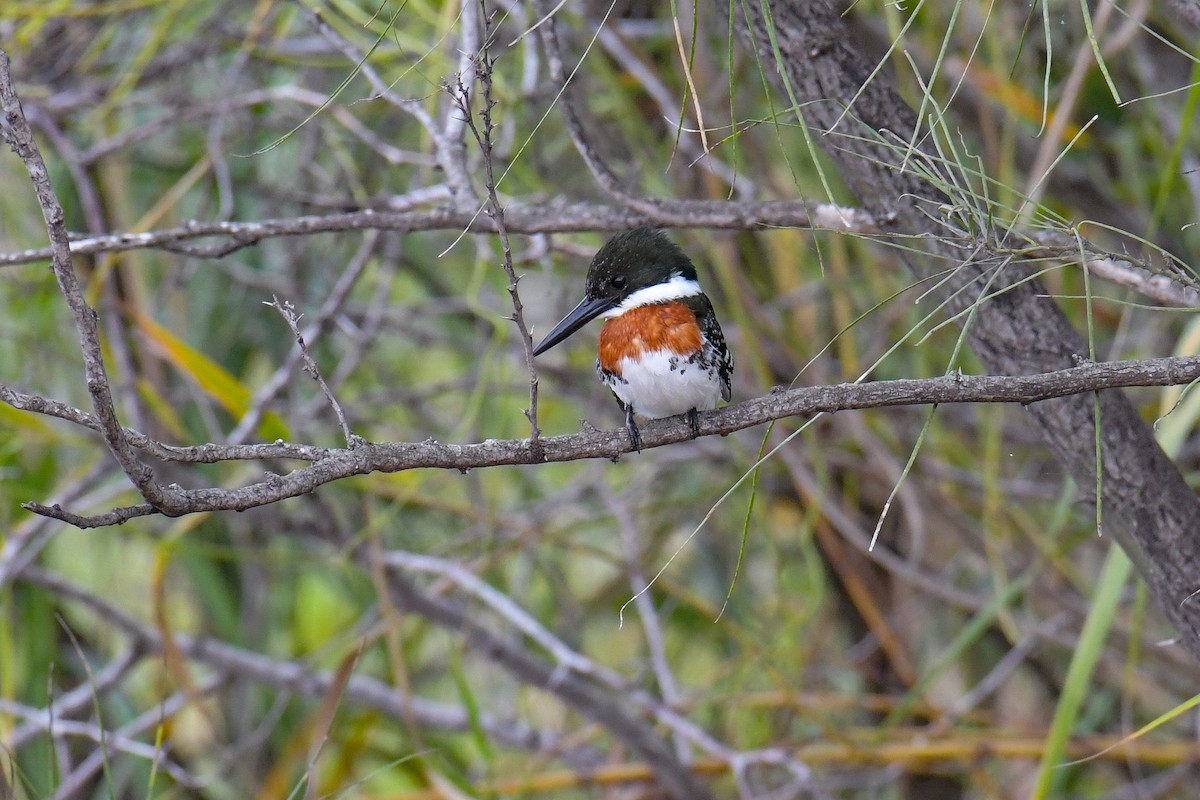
(96, 219)
(534, 219)
(20, 137)
(332, 464)
(572, 217)
(568, 661)
(1175, 288)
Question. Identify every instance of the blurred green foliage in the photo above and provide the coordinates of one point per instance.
(152, 114)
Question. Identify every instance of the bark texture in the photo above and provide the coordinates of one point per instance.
(1015, 332)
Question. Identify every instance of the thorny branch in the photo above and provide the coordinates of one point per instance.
(483, 132)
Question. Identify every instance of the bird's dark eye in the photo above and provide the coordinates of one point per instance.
(618, 281)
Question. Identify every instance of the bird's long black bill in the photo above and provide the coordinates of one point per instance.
(587, 310)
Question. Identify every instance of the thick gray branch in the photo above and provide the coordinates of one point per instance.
(333, 464)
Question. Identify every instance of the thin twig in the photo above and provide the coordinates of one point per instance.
(271, 387)
(288, 312)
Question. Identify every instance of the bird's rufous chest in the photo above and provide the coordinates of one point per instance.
(668, 326)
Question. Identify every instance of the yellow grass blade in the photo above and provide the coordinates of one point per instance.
(213, 379)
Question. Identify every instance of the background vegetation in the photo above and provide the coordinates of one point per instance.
(337, 644)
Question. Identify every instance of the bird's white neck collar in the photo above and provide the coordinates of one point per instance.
(677, 288)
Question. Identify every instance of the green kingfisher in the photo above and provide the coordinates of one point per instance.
(661, 350)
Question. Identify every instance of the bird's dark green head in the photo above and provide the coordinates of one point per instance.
(635, 260)
(638, 267)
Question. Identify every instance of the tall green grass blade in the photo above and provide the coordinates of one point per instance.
(1113, 577)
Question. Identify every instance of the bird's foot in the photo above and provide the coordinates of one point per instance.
(635, 437)
(693, 418)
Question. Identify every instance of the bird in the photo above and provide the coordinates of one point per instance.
(661, 351)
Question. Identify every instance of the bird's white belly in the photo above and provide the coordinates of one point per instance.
(663, 384)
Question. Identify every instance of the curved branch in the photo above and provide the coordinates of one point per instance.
(20, 137)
